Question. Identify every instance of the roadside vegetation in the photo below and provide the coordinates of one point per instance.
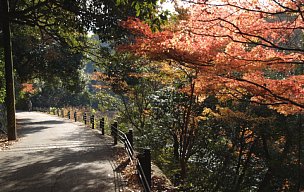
(215, 88)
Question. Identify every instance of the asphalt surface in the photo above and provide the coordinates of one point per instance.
(57, 155)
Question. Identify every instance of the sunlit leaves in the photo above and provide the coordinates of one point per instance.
(237, 47)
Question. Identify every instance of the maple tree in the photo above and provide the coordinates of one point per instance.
(247, 52)
(241, 49)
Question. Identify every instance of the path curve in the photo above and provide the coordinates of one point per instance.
(57, 155)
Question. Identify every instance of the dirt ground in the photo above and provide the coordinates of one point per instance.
(4, 143)
(128, 171)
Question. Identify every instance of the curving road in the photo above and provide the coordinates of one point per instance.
(57, 155)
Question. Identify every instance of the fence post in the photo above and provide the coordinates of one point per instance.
(75, 116)
(101, 125)
(85, 118)
(130, 137)
(62, 112)
(115, 132)
(145, 162)
(92, 121)
(58, 112)
(69, 114)
(146, 165)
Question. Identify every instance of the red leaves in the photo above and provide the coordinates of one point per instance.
(28, 88)
(136, 27)
(239, 48)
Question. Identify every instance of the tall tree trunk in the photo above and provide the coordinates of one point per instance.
(183, 166)
(175, 147)
(299, 187)
(239, 162)
(9, 77)
(265, 185)
(245, 167)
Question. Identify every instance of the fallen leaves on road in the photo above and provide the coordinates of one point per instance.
(128, 171)
(4, 143)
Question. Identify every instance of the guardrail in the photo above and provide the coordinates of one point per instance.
(142, 160)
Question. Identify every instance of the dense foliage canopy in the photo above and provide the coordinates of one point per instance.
(239, 49)
(216, 93)
(236, 124)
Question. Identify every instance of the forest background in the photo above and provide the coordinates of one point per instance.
(215, 88)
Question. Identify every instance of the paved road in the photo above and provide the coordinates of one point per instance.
(57, 155)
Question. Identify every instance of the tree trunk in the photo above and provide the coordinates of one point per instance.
(245, 167)
(175, 148)
(300, 184)
(9, 77)
(183, 166)
(265, 185)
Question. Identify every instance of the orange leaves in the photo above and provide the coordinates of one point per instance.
(97, 76)
(147, 43)
(136, 27)
(239, 49)
(28, 88)
(288, 91)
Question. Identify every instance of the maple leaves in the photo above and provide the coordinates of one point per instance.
(28, 88)
(235, 54)
(238, 49)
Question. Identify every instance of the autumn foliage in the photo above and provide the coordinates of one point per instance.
(28, 88)
(240, 49)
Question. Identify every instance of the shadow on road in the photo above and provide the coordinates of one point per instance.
(59, 169)
(28, 122)
(58, 156)
(27, 126)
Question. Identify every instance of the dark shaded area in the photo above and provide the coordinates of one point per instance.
(28, 123)
(29, 127)
(62, 160)
(62, 169)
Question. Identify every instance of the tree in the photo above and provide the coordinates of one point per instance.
(129, 77)
(45, 60)
(248, 54)
(233, 58)
(61, 20)
(9, 81)
(160, 115)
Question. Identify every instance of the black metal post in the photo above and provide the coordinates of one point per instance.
(115, 132)
(69, 114)
(101, 125)
(146, 165)
(75, 116)
(130, 137)
(145, 168)
(92, 121)
(85, 118)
